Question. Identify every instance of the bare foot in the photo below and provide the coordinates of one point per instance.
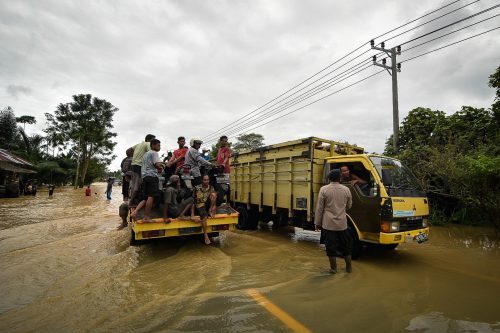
(167, 220)
(207, 241)
(183, 218)
(147, 220)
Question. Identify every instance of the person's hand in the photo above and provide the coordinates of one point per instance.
(317, 227)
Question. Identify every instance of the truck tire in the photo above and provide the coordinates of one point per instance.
(133, 241)
(242, 217)
(253, 219)
(280, 219)
(2, 191)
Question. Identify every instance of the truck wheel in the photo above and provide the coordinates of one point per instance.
(133, 241)
(280, 219)
(356, 244)
(253, 219)
(242, 217)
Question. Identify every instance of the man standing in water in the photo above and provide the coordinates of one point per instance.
(109, 188)
(333, 201)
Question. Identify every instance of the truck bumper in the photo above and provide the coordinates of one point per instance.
(401, 237)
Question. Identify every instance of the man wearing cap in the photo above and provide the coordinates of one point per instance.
(171, 207)
(333, 201)
(195, 160)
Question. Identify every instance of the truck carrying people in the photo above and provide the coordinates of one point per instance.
(281, 182)
(188, 204)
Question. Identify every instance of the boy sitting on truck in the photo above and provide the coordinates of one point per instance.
(204, 200)
(171, 207)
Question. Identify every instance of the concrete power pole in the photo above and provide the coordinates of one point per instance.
(393, 71)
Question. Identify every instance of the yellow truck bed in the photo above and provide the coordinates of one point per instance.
(225, 219)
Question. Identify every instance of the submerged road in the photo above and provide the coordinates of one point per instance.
(65, 268)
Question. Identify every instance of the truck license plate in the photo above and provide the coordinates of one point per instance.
(223, 179)
(421, 238)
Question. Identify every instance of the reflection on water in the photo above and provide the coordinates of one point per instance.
(65, 267)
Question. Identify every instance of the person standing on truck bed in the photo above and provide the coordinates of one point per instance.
(179, 155)
(171, 208)
(125, 166)
(204, 200)
(150, 178)
(139, 150)
(195, 160)
(224, 158)
(333, 201)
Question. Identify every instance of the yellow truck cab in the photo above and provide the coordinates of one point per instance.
(225, 219)
(281, 183)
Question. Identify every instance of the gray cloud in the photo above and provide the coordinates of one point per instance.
(16, 90)
(190, 67)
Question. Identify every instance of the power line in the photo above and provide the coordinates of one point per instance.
(314, 90)
(443, 47)
(452, 32)
(300, 97)
(434, 19)
(282, 108)
(453, 23)
(315, 101)
(325, 68)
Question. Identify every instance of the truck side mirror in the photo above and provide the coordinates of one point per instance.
(387, 177)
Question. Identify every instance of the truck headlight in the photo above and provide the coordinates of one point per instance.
(389, 226)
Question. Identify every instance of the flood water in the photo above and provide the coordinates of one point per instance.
(65, 268)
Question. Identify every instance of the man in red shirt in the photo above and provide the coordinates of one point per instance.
(224, 154)
(179, 155)
(224, 158)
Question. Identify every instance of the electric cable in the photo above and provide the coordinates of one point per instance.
(448, 45)
(325, 68)
(313, 91)
(452, 32)
(446, 26)
(315, 101)
(273, 110)
(285, 107)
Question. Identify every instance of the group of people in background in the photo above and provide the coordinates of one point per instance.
(143, 167)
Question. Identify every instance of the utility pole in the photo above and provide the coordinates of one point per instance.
(393, 71)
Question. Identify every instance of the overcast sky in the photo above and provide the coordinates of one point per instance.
(191, 67)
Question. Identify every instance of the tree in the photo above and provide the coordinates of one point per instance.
(26, 120)
(84, 127)
(9, 136)
(248, 141)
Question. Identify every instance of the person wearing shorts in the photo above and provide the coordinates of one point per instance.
(151, 162)
(139, 150)
(204, 204)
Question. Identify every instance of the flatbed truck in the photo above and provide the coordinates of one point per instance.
(280, 183)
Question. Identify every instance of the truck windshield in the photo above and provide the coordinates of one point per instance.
(397, 178)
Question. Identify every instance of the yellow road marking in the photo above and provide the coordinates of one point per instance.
(293, 324)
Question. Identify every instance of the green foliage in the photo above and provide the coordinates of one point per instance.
(457, 159)
(9, 136)
(84, 127)
(248, 141)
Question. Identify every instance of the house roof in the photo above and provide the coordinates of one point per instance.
(11, 162)
(6, 156)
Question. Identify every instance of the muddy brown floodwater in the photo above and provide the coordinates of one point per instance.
(65, 268)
